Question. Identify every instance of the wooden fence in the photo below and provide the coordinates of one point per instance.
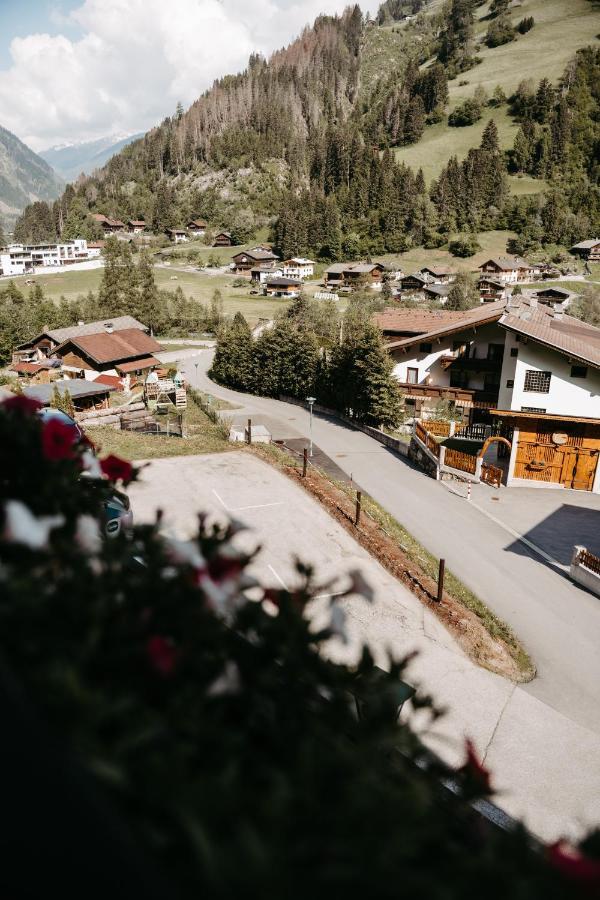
(455, 459)
(427, 439)
(491, 474)
(441, 429)
(589, 560)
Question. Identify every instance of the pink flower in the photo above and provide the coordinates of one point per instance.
(162, 655)
(572, 863)
(116, 468)
(58, 440)
(21, 404)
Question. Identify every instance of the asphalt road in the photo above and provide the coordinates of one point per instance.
(558, 622)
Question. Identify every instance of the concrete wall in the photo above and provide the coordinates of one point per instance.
(585, 577)
(567, 396)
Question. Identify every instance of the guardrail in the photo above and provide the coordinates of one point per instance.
(427, 439)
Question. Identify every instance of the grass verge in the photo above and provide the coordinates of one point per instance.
(485, 638)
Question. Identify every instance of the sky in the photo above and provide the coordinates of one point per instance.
(77, 70)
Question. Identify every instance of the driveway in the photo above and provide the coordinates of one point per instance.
(526, 744)
(558, 622)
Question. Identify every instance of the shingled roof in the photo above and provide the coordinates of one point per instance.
(118, 323)
(444, 322)
(553, 329)
(120, 345)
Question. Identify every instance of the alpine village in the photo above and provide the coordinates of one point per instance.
(300, 422)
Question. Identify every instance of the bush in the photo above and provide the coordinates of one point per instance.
(464, 246)
(500, 32)
(211, 745)
(467, 113)
(526, 25)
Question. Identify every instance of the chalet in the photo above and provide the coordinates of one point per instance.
(178, 235)
(352, 274)
(223, 239)
(84, 394)
(259, 274)
(126, 352)
(450, 355)
(438, 274)
(413, 283)
(491, 289)
(108, 225)
(553, 295)
(197, 227)
(244, 261)
(509, 269)
(136, 226)
(282, 287)
(550, 397)
(589, 250)
(43, 345)
(298, 267)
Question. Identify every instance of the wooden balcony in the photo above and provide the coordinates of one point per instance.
(463, 363)
(460, 396)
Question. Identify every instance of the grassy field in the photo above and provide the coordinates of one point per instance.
(493, 243)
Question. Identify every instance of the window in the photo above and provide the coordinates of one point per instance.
(510, 383)
(578, 371)
(412, 376)
(537, 382)
(459, 379)
(534, 409)
(514, 351)
(495, 352)
(425, 347)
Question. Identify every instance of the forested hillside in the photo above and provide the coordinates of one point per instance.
(308, 142)
(24, 177)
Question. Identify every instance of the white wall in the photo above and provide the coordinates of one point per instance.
(568, 396)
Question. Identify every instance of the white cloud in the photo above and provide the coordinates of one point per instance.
(135, 59)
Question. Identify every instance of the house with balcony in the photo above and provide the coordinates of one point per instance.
(588, 250)
(438, 274)
(244, 261)
(197, 227)
(298, 267)
(178, 235)
(447, 355)
(136, 226)
(120, 353)
(354, 275)
(509, 269)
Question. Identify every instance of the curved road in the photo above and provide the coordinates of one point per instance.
(558, 622)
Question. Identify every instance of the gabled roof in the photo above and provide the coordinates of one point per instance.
(553, 329)
(438, 270)
(299, 261)
(119, 323)
(416, 277)
(559, 292)
(257, 255)
(360, 268)
(440, 290)
(283, 282)
(105, 220)
(120, 345)
(507, 263)
(586, 245)
(137, 222)
(448, 322)
(197, 223)
(77, 387)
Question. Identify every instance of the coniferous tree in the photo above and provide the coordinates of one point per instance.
(463, 293)
(147, 309)
(233, 363)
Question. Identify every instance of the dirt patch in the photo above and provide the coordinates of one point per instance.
(483, 637)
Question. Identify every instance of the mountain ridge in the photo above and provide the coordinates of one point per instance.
(24, 177)
(77, 158)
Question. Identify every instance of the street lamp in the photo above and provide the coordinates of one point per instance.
(310, 401)
(196, 367)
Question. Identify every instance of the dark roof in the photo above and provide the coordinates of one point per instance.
(283, 282)
(77, 387)
(258, 255)
(119, 345)
(553, 329)
(560, 292)
(416, 277)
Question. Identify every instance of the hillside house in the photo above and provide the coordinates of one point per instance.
(136, 226)
(246, 260)
(550, 396)
(509, 269)
(126, 352)
(178, 235)
(354, 274)
(491, 289)
(298, 267)
(223, 239)
(414, 283)
(108, 225)
(588, 250)
(447, 355)
(438, 274)
(43, 345)
(282, 287)
(260, 274)
(197, 227)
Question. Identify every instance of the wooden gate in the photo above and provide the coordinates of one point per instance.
(573, 467)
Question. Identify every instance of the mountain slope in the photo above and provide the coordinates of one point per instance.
(24, 177)
(74, 159)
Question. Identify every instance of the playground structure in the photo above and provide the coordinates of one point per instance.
(163, 395)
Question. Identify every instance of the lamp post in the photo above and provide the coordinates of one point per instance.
(196, 367)
(310, 401)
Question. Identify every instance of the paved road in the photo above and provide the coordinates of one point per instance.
(558, 622)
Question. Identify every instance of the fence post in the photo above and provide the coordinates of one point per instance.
(358, 507)
(304, 461)
(441, 573)
(249, 431)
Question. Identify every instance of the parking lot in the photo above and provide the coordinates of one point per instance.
(524, 741)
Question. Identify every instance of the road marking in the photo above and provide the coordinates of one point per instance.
(328, 596)
(221, 501)
(257, 506)
(278, 577)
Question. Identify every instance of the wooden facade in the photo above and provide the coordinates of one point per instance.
(555, 451)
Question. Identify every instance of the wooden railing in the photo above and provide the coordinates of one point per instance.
(427, 439)
(491, 474)
(589, 560)
(455, 459)
(441, 429)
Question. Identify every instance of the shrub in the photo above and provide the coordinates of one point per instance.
(464, 246)
(500, 32)
(526, 25)
(467, 113)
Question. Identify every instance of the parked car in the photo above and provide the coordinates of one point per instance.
(118, 516)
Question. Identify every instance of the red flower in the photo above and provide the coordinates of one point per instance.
(222, 568)
(162, 655)
(58, 440)
(114, 468)
(21, 404)
(573, 864)
(475, 770)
